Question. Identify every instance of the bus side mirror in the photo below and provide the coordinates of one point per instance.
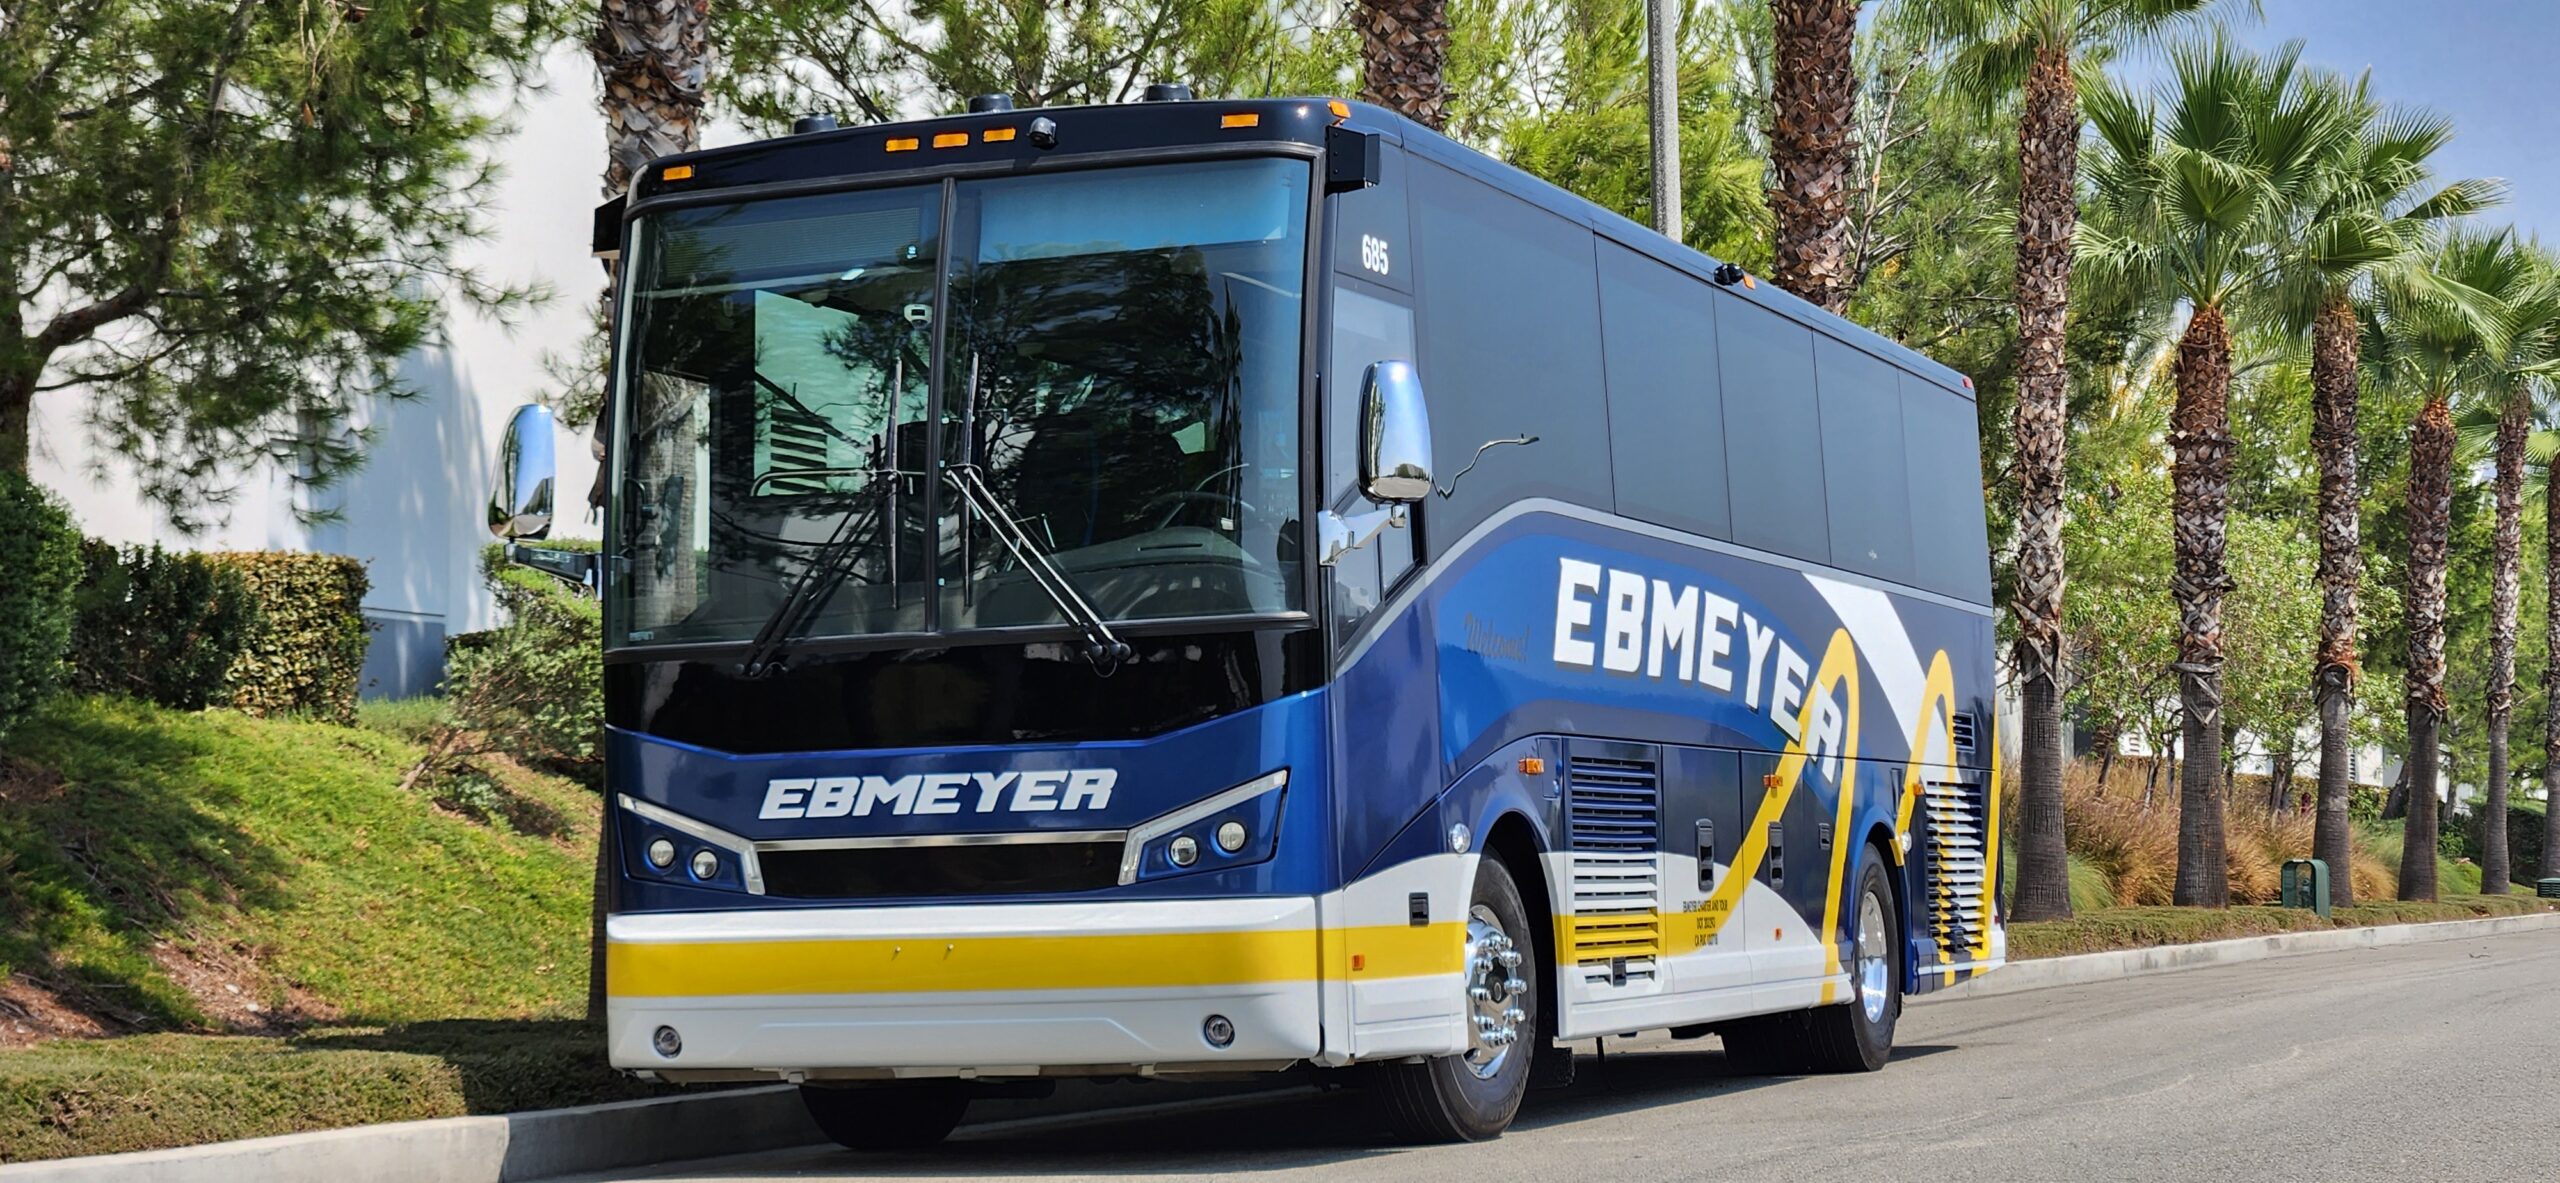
(520, 506)
(1395, 435)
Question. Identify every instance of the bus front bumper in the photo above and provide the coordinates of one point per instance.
(988, 990)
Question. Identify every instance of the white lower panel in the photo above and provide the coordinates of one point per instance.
(980, 1031)
(1408, 1015)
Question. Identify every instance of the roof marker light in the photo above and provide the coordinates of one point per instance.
(1244, 119)
(677, 172)
(1341, 110)
(996, 135)
(901, 144)
(951, 139)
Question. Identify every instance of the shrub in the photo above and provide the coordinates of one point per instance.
(158, 625)
(534, 687)
(39, 566)
(306, 651)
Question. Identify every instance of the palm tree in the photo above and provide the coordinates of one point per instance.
(2513, 376)
(2544, 448)
(2376, 205)
(2198, 184)
(2001, 47)
(2442, 332)
(1404, 55)
(654, 56)
(1813, 97)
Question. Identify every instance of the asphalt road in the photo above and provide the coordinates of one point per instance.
(2434, 1061)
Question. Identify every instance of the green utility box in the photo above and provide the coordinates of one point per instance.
(2306, 885)
(2548, 889)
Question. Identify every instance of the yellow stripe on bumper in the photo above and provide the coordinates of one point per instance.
(679, 969)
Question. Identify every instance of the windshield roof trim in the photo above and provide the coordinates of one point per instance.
(969, 171)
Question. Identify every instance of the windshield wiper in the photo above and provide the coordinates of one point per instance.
(825, 571)
(1101, 648)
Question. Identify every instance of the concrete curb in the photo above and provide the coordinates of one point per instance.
(555, 1142)
(527, 1146)
(2045, 973)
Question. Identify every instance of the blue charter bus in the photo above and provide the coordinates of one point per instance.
(1223, 587)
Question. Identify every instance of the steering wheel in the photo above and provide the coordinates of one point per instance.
(1177, 501)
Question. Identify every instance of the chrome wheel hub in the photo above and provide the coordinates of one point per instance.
(1874, 965)
(1496, 995)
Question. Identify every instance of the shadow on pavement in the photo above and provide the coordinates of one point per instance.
(1258, 1134)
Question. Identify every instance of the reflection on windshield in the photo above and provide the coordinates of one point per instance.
(1121, 365)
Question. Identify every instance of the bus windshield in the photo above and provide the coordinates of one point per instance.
(1114, 354)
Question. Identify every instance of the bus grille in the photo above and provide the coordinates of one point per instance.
(934, 871)
(1957, 844)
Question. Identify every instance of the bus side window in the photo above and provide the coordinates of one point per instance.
(1366, 329)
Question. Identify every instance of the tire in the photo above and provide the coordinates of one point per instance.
(1473, 1095)
(905, 1116)
(1858, 1036)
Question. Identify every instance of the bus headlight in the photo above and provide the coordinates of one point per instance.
(1235, 828)
(662, 853)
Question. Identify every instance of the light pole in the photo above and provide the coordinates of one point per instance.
(1662, 84)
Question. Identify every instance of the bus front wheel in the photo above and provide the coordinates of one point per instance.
(1471, 1096)
(908, 1115)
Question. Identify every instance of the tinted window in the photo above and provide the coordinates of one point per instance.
(1666, 406)
(1772, 431)
(1943, 450)
(1862, 461)
(1510, 346)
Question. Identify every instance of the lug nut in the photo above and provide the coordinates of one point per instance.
(1514, 986)
(1479, 994)
(1510, 959)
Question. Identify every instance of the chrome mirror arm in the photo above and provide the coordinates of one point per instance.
(1337, 535)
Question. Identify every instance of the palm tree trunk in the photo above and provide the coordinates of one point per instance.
(2334, 350)
(2430, 531)
(654, 57)
(2048, 160)
(2200, 434)
(2505, 588)
(1404, 53)
(1813, 95)
(2550, 683)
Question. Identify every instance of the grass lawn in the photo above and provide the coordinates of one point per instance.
(276, 935)
(147, 1092)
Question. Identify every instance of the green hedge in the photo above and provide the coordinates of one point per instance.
(159, 625)
(39, 566)
(306, 651)
(534, 686)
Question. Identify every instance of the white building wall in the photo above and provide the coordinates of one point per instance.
(415, 512)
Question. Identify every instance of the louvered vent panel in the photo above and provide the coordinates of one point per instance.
(1961, 723)
(1957, 842)
(1617, 902)
(1612, 804)
(1612, 810)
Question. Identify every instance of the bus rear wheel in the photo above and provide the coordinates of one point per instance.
(908, 1115)
(1858, 1037)
(1472, 1096)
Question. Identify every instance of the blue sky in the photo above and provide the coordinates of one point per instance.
(2487, 64)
